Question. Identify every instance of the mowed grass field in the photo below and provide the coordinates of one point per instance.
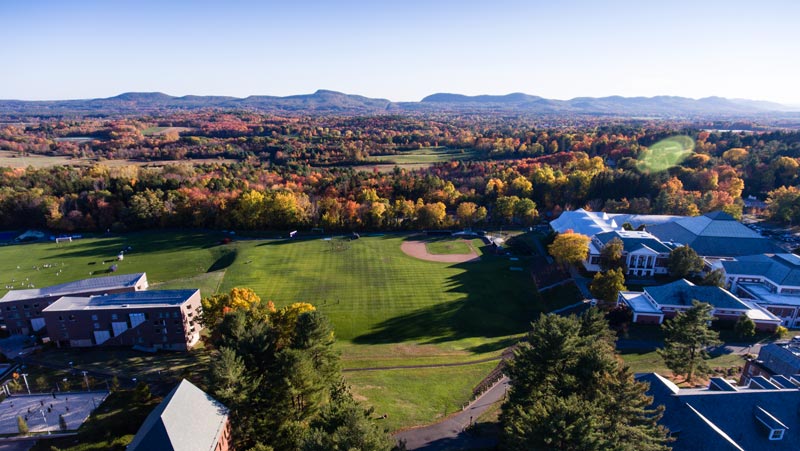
(388, 309)
(426, 155)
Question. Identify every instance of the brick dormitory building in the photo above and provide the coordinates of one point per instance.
(112, 311)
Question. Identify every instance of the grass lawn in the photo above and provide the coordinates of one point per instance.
(448, 246)
(650, 361)
(419, 399)
(127, 363)
(561, 296)
(387, 308)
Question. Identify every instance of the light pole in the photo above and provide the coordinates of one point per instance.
(86, 379)
(25, 378)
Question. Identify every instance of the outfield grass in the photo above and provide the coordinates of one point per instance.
(387, 308)
(448, 246)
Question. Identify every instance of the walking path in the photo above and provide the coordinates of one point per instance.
(450, 434)
(429, 365)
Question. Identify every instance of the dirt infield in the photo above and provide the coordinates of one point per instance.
(418, 250)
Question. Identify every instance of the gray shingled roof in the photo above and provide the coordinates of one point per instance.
(187, 420)
(705, 420)
(780, 359)
(682, 292)
(154, 298)
(633, 243)
(782, 269)
(714, 234)
(77, 287)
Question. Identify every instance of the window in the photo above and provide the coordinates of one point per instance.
(96, 325)
(114, 317)
(26, 306)
(776, 434)
(94, 317)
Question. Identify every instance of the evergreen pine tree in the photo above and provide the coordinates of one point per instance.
(687, 338)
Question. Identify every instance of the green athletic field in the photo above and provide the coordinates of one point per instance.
(388, 309)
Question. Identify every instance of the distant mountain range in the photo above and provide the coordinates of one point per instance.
(332, 102)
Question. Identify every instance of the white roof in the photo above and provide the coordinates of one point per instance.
(758, 313)
(639, 303)
(587, 223)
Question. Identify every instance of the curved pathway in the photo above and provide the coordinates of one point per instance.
(429, 365)
(449, 433)
(418, 250)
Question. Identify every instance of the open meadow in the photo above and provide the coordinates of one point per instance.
(388, 309)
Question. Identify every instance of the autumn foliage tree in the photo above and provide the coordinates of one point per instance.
(217, 306)
(569, 248)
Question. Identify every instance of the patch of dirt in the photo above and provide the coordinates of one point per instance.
(418, 250)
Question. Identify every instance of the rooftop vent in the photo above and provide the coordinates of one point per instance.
(762, 383)
(782, 381)
(773, 426)
(720, 384)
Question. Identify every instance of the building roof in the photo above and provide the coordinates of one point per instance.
(764, 296)
(635, 240)
(712, 420)
(92, 285)
(781, 269)
(133, 299)
(639, 303)
(587, 223)
(187, 420)
(711, 234)
(783, 358)
(642, 220)
(682, 293)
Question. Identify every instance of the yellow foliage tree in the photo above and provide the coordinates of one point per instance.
(569, 248)
(215, 307)
(285, 319)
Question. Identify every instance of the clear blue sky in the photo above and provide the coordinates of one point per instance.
(401, 50)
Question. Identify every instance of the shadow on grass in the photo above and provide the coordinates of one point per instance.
(495, 345)
(140, 242)
(224, 261)
(497, 302)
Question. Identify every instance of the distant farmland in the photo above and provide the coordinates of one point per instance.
(14, 160)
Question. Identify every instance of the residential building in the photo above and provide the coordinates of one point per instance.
(645, 255)
(762, 416)
(771, 280)
(149, 320)
(655, 304)
(774, 359)
(187, 419)
(21, 310)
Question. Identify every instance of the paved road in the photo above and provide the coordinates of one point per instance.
(449, 434)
